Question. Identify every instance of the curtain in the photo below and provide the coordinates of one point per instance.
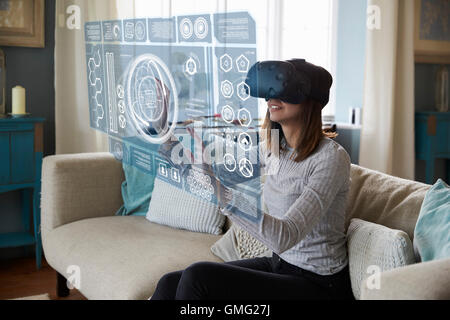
(387, 136)
(73, 132)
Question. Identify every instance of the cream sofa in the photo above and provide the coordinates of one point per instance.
(124, 257)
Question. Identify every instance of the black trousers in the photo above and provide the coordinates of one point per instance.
(252, 279)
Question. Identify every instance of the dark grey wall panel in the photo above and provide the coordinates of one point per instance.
(33, 69)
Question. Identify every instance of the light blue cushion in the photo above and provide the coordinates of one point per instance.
(136, 191)
(432, 232)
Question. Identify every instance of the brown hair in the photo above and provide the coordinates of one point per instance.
(310, 120)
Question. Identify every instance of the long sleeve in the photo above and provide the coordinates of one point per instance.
(327, 176)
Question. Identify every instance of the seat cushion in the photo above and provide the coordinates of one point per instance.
(124, 257)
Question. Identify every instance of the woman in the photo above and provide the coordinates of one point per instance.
(306, 201)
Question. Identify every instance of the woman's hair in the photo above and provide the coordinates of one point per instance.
(310, 122)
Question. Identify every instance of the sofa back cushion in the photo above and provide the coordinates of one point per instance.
(383, 199)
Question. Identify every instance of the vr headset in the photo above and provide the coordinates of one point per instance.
(293, 81)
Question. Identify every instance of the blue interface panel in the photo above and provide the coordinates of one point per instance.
(152, 79)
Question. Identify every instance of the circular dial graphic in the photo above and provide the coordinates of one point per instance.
(152, 98)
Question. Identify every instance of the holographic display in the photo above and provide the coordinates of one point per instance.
(169, 89)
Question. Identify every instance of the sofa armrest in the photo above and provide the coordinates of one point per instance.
(422, 281)
(79, 186)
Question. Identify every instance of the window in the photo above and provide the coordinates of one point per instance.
(308, 31)
(285, 28)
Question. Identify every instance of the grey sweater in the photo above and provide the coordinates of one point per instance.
(305, 203)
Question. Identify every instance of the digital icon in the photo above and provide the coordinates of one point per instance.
(230, 162)
(140, 30)
(229, 140)
(94, 65)
(163, 170)
(200, 184)
(227, 114)
(243, 64)
(227, 89)
(98, 109)
(201, 28)
(150, 98)
(191, 66)
(112, 99)
(175, 175)
(98, 85)
(246, 168)
(226, 63)
(118, 151)
(122, 121)
(116, 32)
(129, 30)
(186, 28)
(245, 118)
(245, 141)
(121, 106)
(243, 91)
(92, 68)
(120, 91)
(151, 93)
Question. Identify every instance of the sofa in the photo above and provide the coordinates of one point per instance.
(124, 257)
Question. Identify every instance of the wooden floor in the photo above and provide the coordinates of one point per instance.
(20, 278)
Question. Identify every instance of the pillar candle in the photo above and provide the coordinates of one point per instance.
(18, 100)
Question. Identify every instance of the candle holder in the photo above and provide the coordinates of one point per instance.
(17, 115)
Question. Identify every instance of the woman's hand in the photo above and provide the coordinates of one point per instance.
(224, 195)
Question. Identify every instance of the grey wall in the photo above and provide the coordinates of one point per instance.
(351, 53)
(32, 68)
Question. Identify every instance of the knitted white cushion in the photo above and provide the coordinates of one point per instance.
(179, 209)
(374, 247)
(238, 244)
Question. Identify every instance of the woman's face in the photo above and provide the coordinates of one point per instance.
(282, 112)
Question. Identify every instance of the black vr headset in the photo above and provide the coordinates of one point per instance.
(292, 81)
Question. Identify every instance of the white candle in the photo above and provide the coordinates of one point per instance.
(18, 100)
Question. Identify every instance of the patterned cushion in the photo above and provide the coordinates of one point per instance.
(179, 209)
(373, 247)
(237, 244)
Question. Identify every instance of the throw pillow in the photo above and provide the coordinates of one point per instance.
(432, 232)
(373, 247)
(237, 244)
(136, 191)
(180, 209)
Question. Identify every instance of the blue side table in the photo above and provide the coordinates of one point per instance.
(21, 153)
(433, 140)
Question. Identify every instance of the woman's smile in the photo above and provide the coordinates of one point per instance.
(274, 107)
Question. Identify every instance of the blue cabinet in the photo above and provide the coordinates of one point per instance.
(21, 153)
(433, 141)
